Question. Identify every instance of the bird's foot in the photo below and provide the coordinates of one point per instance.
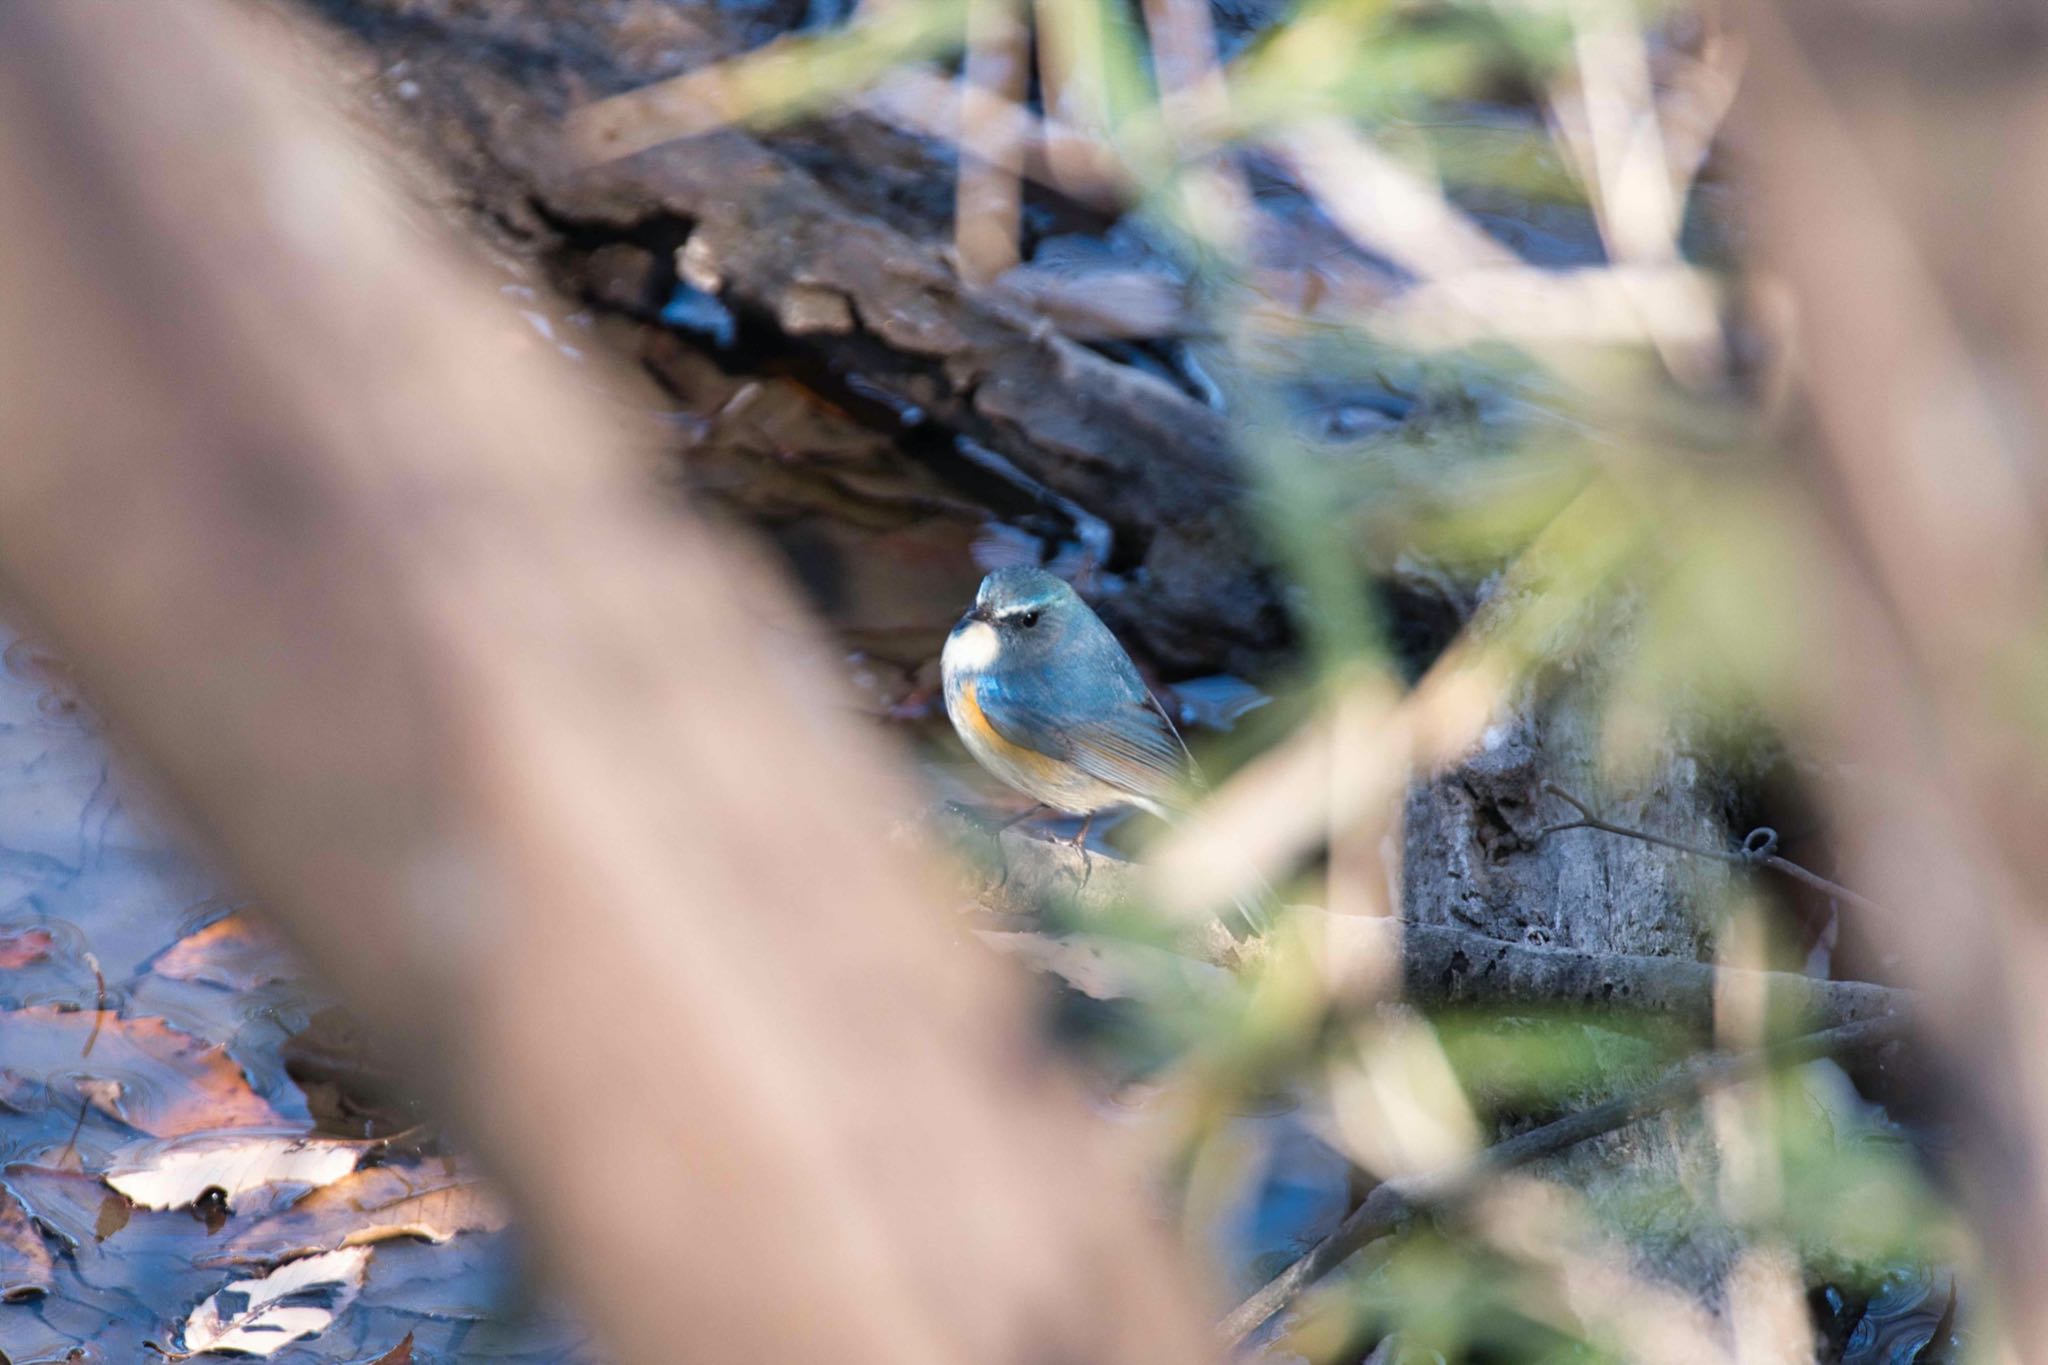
(1079, 843)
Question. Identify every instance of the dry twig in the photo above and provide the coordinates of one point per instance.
(1759, 849)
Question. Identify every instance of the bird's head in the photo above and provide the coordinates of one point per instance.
(1020, 615)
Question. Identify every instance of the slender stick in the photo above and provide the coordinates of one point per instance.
(1395, 1201)
(1758, 849)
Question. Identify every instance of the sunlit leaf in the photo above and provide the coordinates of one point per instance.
(176, 1174)
(235, 952)
(260, 1317)
(433, 1202)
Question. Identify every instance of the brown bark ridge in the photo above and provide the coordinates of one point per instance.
(553, 786)
(833, 238)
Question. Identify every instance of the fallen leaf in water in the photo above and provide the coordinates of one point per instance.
(115, 1211)
(67, 1203)
(25, 1265)
(142, 1071)
(433, 1203)
(260, 1317)
(234, 951)
(24, 947)
(401, 1354)
(176, 1174)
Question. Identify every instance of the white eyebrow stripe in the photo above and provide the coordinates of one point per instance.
(1014, 612)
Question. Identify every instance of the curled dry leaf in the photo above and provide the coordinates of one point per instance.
(429, 1202)
(235, 951)
(262, 1316)
(25, 1266)
(142, 1071)
(175, 1174)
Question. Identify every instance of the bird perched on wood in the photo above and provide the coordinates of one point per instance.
(1046, 698)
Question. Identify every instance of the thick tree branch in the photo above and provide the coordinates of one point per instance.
(1439, 967)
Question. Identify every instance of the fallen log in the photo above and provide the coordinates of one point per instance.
(856, 277)
(1366, 959)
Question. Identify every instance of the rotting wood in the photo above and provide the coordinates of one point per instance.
(773, 229)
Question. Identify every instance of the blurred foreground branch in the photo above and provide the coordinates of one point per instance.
(1901, 217)
(1394, 1202)
(517, 758)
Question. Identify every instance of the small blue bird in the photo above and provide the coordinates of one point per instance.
(1044, 696)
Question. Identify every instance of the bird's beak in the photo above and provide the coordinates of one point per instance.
(974, 613)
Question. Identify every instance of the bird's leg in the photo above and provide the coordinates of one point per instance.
(1081, 845)
(997, 835)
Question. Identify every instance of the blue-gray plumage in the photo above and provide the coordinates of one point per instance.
(1044, 696)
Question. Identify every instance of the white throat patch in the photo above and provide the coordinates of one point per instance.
(971, 648)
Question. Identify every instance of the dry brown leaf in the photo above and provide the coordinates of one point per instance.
(235, 951)
(401, 1354)
(115, 1211)
(142, 1071)
(24, 947)
(25, 1266)
(374, 1205)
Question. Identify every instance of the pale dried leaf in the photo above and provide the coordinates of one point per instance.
(268, 1321)
(176, 1174)
(428, 1202)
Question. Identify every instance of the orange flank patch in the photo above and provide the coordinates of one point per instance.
(1049, 770)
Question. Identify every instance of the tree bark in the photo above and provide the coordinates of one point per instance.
(831, 237)
(1468, 862)
(1436, 966)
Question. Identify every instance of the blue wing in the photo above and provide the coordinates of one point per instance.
(1113, 731)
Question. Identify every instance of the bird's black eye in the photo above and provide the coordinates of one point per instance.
(1028, 619)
